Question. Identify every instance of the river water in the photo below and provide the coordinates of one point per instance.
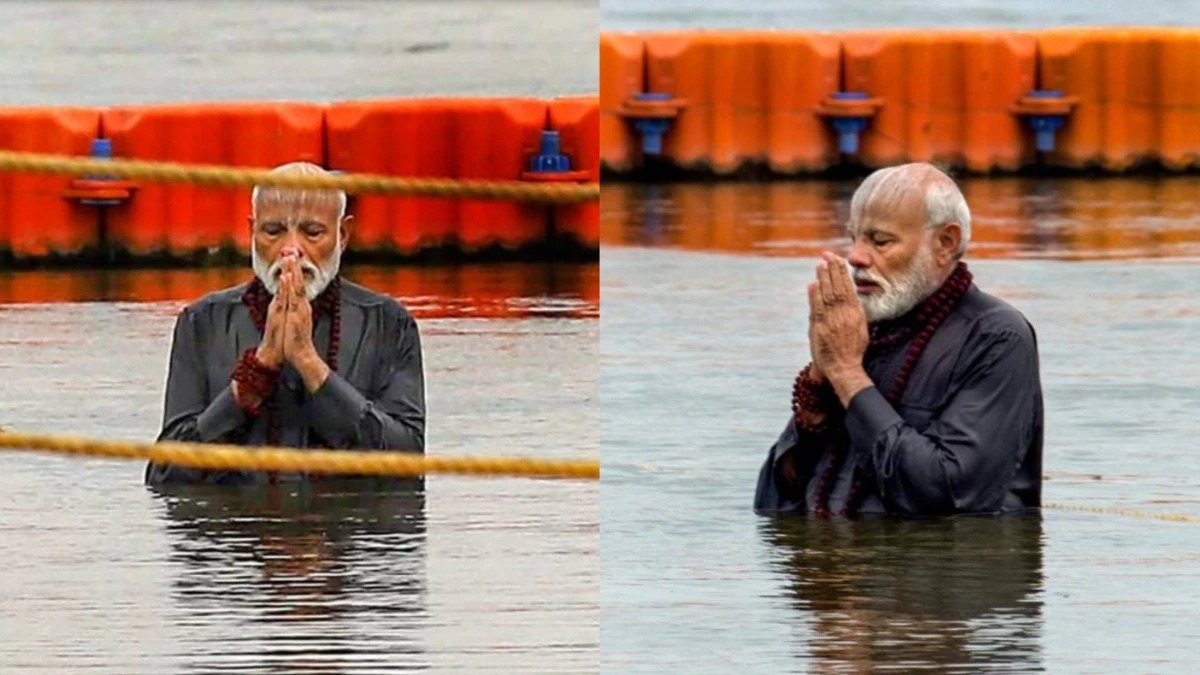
(458, 574)
(120, 52)
(703, 329)
(102, 575)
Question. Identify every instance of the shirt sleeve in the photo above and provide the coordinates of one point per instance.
(188, 415)
(394, 419)
(964, 460)
(776, 494)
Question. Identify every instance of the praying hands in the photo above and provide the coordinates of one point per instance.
(287, 337)
(295, 338)
(837, 329)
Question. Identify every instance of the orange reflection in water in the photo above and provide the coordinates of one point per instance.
(509, 290)
(1071, 218)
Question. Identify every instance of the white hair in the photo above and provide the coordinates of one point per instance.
(300, 196)
(944, 202)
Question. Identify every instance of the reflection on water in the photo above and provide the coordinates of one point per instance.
(1075, 218)
(483, 290)
(884, 594)
(321, 576)
(102, 575)
(704, 328)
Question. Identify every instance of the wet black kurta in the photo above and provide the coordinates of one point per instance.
(967, 437)
(375, 400)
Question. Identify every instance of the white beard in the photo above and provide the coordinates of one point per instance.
(898, 297)
(269, 276)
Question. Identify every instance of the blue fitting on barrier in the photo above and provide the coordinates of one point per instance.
(1045, 126)
(101, 149)
(652, 128)
(550, 158)
(848, 128)
(99, 189)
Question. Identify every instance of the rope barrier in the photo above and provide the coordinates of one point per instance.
(229, 177)
(215, 456)
(379, 463)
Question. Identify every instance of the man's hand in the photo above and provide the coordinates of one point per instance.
(270, 350)
(298, 347)
(837, 329)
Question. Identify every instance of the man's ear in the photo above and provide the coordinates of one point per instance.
(949, 237)
(347, 229)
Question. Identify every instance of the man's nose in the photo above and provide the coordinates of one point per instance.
(291, 245)
(858, 256)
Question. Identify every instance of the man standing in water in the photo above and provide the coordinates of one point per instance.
(297, 356)
(923, 396)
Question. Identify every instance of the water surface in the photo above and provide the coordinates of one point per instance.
(703, 329)
(121, 52)
(453, 575)
(102, 575)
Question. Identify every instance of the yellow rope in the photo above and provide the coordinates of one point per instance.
(229, 177)
(1130, 513)
(213, 456)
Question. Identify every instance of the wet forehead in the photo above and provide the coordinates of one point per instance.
(294, 208)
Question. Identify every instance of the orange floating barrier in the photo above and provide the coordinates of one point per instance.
(981, 100)
(622, 70)
(577, 120)
(510, 130)
(945, 96)
(36, 221)
(439, 138)
(179, 219)
(1138, 93)
(746, 97)
(364, 136)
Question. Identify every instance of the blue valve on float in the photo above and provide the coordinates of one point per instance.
(550, 163)
(848, 128)
(1045, 126)
(1046, 112)
(101, 149)
(849, 112)
(550, 158)
(651, 114)
(652, 129)
(100, 189)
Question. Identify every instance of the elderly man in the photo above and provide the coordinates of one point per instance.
(297, 356)
(923, 395)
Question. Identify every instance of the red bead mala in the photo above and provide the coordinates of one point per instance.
(929, 316)
(810, 395)
(254, 378)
